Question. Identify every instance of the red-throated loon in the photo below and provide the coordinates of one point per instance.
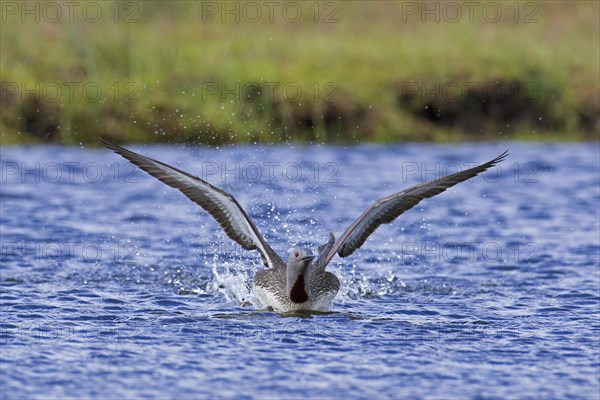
(302, 283)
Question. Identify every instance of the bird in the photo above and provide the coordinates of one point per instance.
(302, 282)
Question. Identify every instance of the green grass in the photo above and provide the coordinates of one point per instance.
(154, 75)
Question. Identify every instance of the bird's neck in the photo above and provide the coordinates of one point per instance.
(298, 287)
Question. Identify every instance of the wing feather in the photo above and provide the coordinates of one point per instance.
(222, 206)
(391, 207)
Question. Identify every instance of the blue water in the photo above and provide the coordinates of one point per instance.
(116, 286)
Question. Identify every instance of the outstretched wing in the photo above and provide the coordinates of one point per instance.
(321, 262)
(389, 208)
(222, 206)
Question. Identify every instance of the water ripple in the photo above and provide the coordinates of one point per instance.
(126, 290)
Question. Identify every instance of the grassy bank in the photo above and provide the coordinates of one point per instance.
(316, 72)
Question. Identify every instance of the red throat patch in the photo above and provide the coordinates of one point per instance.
(298, 294)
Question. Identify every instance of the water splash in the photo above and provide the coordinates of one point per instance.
(233, 280)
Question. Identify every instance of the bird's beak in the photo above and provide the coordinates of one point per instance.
(308, 258)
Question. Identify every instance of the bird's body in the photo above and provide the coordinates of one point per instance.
(268, 288)
(301, 283)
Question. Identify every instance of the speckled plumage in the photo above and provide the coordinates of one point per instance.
(269, 287)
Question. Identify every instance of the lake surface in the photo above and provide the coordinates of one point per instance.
(114, 285)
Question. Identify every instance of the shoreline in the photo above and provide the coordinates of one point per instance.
(169, 78)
